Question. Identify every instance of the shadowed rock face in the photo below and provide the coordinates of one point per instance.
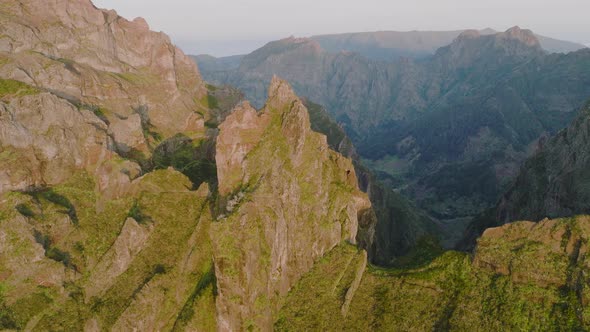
(552, 183)
(287, 199)
(400, 224)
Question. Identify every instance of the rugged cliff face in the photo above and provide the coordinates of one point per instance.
(286, 199)
(524, 276)
(94, 82)
(133, 196)
(400, 224)
(98, 58)
(552, 183)
(86, 97)
(107, 135)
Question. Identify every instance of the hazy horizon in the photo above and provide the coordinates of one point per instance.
(229, 27)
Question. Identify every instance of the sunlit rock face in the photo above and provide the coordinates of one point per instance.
(288, 199)
(115, 85)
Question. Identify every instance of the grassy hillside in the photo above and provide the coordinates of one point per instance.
(523, 276)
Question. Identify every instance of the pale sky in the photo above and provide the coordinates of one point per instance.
(226, 27)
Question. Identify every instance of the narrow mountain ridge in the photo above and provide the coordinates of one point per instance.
(400, 224)
(523, 276)
(286, 199)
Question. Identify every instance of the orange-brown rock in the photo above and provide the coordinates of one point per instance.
(85, 60)
(287, 200)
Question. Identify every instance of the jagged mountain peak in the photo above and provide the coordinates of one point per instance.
(242, 130)
(141, 22)
(278, 180)
(473, 45)
(275, 50)
(525, 36)
(472, 33)
(280, 92)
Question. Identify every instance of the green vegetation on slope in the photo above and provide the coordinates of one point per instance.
(400, 224)
(175, 255)
(192, 158)
(553, 183)
(524, 276)
(11, 88)
(287, 201)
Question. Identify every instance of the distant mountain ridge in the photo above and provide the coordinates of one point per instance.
(382, 46)
(388, 45)
(451, 130)
(213, 64)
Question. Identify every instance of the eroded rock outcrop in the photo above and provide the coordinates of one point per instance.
(288, 199)
(89, 239)
(99, 58)
(44, 139)
(127, 87)
(138, 262)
